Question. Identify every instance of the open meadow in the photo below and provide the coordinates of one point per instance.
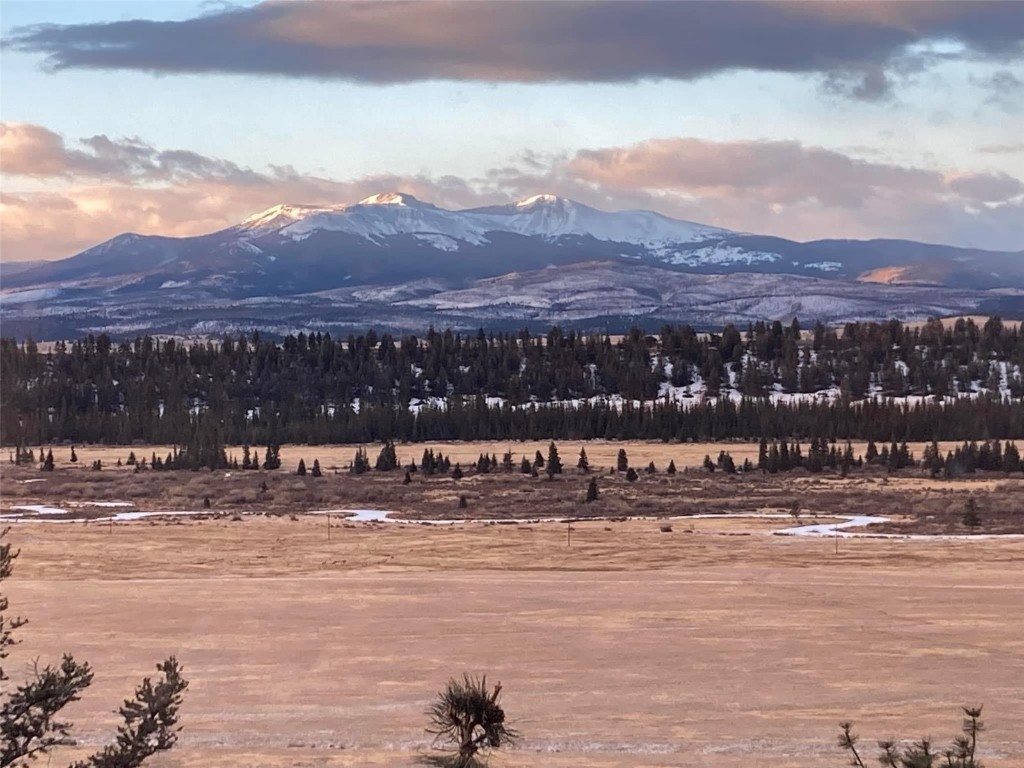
(316, 641)
(712, 645)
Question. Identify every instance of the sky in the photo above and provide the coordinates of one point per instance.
(803, 120)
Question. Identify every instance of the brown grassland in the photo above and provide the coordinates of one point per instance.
(712, 644)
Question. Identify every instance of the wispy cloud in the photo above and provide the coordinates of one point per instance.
(854, 46)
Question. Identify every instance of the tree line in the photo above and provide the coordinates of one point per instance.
(676, 385)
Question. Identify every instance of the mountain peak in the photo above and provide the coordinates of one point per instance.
(542, 199)
(390, 198)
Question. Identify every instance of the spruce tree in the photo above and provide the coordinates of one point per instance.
(360, 462)
(622, 461)
(592, 492)
(457, 472)
(583, 465)
(74, 456)
(301, 470)
(316, 468)
(48, 462)
(632, 475)
(554, 465)
(387, 459)
(671, 467)
(971, 519)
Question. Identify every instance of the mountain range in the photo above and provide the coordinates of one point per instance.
(392, 261)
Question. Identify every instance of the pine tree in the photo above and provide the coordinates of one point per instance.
(48, 462)
(583, 465)
(360, 462)
(272, 458)
(971, 518)
(301, 471)
(592, 492)
(671, 467)
(457, 472)
(871, 454)
(622, 461)
(525, 467)
(554, 465)
(387, 460)
(538, 460)
(651, 469)
(316, 468)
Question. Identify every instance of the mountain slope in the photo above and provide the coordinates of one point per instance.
(391, 245)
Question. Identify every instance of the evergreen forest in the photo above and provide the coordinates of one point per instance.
(879, 381)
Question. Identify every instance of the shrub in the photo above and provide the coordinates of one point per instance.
(921, 754)
(469, 719)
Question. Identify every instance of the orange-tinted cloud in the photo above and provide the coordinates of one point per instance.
(778, 188)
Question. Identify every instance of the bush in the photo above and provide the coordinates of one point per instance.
(468, 718)
(921, 753)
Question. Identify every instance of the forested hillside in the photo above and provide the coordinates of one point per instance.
(873, 381)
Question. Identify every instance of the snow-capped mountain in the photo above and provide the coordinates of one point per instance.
(392, 244)
(548, 216)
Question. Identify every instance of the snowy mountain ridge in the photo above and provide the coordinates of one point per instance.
(394, 261)
(388, 214)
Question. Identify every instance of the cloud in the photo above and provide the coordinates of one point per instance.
(32, 150)
(853, 44)
(1005, 90)
(109, 186)
(781, 188)
(1002, 149)
(803, 192)
(782, 172)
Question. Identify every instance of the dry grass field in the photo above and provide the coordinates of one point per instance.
(713, 645)
(318, 642)
(601, 453)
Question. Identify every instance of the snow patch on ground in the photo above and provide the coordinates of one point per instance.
(29, 297)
